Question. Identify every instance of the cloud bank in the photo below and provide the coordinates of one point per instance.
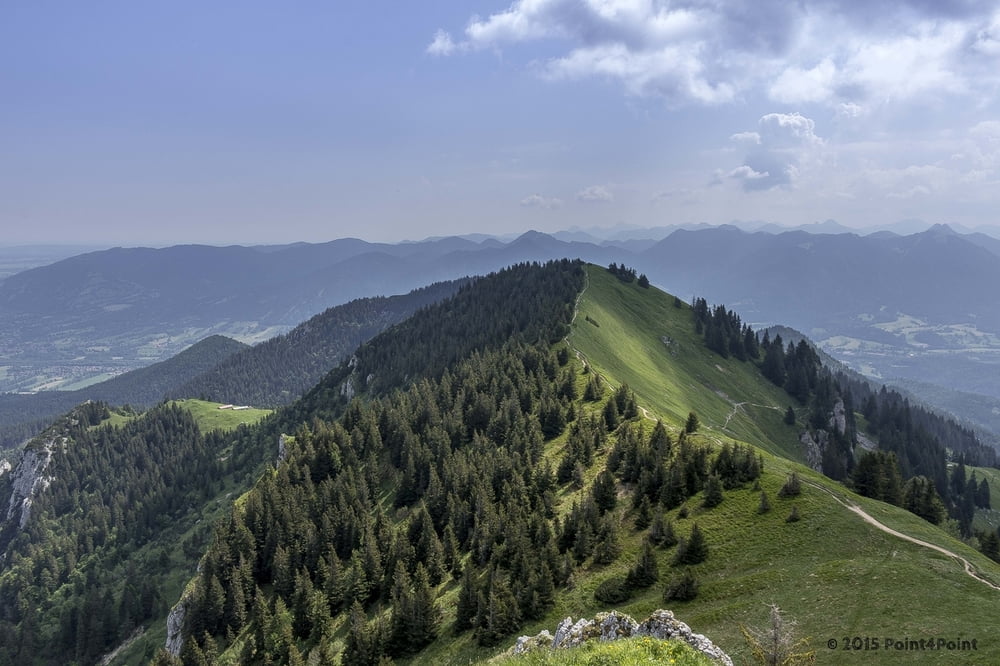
(836, 52)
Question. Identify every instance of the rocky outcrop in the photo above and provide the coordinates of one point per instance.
(27, 480)
(838, 421)
(282, 447)
(811, 449)
(175, 628)
(611, 626)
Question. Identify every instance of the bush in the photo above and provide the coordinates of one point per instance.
(614, 590)
(683, 587)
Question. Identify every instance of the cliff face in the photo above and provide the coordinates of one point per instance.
(28, 479)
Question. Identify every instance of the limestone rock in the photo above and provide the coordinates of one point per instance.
(27, 480)
(661, 624)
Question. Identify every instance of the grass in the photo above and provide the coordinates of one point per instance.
(210, 417)
(642, 339)
(831, 572)
(624, 652)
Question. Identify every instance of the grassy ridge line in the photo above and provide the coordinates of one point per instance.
(833, 573)
(638, 336)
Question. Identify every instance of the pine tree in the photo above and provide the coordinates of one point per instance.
(765, 503)
(644, 515)
(692, 423)
(713, 492)
(467, 607)
(682, 587)
(645, 571)
(693, 550)
(604, 491)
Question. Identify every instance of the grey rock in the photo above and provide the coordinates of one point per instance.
(661, 624)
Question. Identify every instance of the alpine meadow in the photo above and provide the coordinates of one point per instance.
(464, 477)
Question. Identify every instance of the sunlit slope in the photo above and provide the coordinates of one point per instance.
(640, 337)
(835, 574)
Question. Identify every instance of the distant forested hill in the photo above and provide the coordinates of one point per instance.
(279, 370)
(23, 416)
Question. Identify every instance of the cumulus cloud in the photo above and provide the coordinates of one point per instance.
(595, 194)
(538, 201)
(710, 52)
(776, 149)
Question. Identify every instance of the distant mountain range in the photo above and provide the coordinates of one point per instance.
(921, 306)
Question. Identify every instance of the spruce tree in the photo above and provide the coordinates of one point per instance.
(692, 550)
(713, 492)
(765, 503)
(645, 571)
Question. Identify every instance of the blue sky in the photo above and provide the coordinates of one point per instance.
(249, 122)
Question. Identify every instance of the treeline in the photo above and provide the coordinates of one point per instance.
(911, 467)
(627, 275)
(279, 370)
(90, 565)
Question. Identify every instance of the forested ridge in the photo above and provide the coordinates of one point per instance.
(279, 370)
(915, 445)
(443, 485)
(91, 564)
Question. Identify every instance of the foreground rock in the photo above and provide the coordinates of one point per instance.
(614, 625)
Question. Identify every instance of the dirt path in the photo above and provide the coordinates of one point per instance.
(969, 569)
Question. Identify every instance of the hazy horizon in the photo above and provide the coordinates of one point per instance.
(260, 124)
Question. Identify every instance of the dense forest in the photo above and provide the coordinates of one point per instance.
(910, 469)
(281, 369)
(80, 575)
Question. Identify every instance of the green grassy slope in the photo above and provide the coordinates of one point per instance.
(639, 337)
(836, 575)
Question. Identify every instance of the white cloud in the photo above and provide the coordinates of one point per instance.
(781, 143)
(779, 130)
(796, 85)
(442, 44)
(711, 52)
(746, 137)
(595, 194)
(538, 201)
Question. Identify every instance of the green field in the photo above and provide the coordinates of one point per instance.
(210, 417)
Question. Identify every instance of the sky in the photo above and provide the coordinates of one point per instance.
(248, 122)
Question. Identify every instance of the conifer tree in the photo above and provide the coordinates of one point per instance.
(467, 607)
(644, 515)
(645, 571)
(713, 492)
(765, 503)
(692, 423)
(692, 550)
